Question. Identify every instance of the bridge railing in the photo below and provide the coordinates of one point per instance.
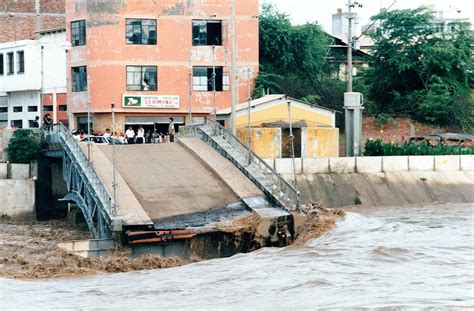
(273, 182)
(72, 148)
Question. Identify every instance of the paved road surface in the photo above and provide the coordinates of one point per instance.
(168, 181)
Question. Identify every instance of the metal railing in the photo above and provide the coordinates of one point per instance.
(264, 176)
(91, 176)
(100, 200)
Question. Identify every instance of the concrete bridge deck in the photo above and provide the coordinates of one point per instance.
(166, 179)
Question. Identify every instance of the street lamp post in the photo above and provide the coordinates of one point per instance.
(114, 162)
(214, 109)
(249, 129)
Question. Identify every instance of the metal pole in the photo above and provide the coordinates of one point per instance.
(214, 111)
(190, 90)
(89, 130)
(292, 138)
(233, 73)
(114, 163)
(349, 49)
(249, 131)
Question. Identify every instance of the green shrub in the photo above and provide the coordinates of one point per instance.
(379, 148)
(23, 147)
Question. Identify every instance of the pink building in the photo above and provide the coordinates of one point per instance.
(156, 59)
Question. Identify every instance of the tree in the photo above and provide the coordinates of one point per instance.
(293, 60)
(417, 72)
(23, 147)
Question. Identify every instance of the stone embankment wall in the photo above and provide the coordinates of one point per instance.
(382, 181)
(17, 190)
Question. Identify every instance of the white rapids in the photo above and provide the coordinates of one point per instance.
(407, 257)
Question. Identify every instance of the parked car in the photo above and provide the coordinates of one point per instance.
(450, 139)
(103, 140)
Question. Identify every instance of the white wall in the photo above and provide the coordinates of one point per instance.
(387, 164)
(54, 57)
(23, 99)
(31, 78)
(45, 69)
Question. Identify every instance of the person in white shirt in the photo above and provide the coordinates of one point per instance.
(130, 133)
(140, 135)
(107, 133)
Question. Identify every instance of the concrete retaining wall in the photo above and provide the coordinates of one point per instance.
(17, 198)
(17, 171)
(89, 248)
(385, 181)
(285, 166)
(346, 165)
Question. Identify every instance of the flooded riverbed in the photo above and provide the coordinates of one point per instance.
(403, 257)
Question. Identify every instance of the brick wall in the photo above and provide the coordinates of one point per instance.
(398, 131)
(18, 18)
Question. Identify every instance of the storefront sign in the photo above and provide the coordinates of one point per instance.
(151, 101)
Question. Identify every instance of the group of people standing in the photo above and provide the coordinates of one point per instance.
(141, 137)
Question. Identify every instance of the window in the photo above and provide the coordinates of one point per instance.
(62, 107)
(79, 79)
(452, 27)
(20, 61)
(82, 124)
(78, 33)
(17, 123)
(203, 79)
(32, 108)
(140, 31)
(18, 109)
(438, 27)
(1, 64)
(3, 109)
(10, 64)
(48, 108)
(207, 32)
(141, 78)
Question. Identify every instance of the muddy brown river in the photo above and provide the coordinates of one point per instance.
(413, 257)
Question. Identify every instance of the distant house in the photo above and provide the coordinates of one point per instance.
(33, 79)
(338, 55)
(314, 128)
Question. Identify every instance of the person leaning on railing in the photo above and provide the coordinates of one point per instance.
(47, 122)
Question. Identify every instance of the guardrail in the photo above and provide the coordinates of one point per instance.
(92, 181)
(273, 184)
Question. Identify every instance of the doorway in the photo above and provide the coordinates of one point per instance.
(286, 142)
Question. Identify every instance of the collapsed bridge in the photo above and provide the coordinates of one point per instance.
(170, 192)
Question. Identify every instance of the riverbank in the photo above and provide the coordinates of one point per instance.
(28, 250)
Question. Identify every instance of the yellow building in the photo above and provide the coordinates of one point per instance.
(314, 128)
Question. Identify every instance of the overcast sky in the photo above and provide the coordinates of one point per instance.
(302, 11)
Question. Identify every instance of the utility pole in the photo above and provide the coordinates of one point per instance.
(114, 162)
(349, 48)
(214, 110)
(233, 71)
(352, 100)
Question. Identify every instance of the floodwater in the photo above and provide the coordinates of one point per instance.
(403, 257)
